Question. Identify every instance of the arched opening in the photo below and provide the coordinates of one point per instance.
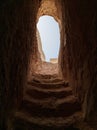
(49, 33)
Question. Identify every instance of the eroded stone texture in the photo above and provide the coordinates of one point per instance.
(17, 25)
(52, 8)
(82, 53)
(42, 55)
(77, 59)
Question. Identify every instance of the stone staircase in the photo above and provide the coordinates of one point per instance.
(48, 104)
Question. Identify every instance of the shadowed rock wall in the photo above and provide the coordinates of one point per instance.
(17, 34)
(81, 41)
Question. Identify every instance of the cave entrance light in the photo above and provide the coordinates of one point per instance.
(50, 37)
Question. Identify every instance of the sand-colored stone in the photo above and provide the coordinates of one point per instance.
(77, 67)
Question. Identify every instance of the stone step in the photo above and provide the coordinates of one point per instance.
(23, 120)
(49, 89)
(46, 76)
(49, 85)
(39, 93)
(44, 80)
(50, 107)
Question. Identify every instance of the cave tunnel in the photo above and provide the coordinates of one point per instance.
(40, 95)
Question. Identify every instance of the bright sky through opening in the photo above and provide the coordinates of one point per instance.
(50, 36)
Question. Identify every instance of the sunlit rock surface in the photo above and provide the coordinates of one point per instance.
(57, 101)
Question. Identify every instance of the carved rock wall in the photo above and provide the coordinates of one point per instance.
(18, 46)
(81, 41)
(17, 35)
